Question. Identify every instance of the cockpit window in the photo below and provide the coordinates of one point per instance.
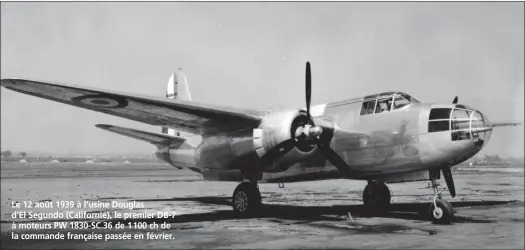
(383, 105)
(408, 97)
(400, 102)
(385, 102)
(368, 107)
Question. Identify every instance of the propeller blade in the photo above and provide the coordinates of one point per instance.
(447, 173)
(455, 100)
(308, 86)
(335, 159)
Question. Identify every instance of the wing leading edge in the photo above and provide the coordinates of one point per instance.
(187, 116)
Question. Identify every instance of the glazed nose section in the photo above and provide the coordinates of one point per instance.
(455, 133)
(470, 124)
(481, 129)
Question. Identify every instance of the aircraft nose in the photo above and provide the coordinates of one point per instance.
(455, 134)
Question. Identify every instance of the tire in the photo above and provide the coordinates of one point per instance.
(376, 197)
(443, 214)
(246, 198)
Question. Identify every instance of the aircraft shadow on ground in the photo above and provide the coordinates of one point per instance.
(408, 211)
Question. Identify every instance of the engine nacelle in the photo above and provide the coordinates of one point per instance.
(275, 129)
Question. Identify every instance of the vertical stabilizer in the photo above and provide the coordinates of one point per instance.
(178, 88)
(183, 87)
(171, 91)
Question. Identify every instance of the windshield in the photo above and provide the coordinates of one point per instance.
(400, 101)
(408, 97)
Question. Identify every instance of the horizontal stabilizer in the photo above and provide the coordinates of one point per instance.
(502, 124)
(153, 138)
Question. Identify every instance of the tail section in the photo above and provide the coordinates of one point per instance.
(177, 89)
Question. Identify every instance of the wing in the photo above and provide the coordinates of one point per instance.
(183, 115)
(153, 138)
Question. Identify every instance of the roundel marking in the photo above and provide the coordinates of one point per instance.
(101, 101)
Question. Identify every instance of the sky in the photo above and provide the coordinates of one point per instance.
(253, 55)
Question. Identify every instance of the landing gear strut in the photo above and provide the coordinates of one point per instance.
(376, 196)
(441, 211)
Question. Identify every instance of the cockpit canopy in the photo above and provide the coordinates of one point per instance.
(385, 102)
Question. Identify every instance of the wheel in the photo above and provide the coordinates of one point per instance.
(376, 196)
(443, 213)
(246, 198)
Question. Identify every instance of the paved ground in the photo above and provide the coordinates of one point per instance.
(489, 209)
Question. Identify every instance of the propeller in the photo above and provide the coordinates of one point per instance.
(447, 174)
(455, 101)
(307, 135)
(320, 137)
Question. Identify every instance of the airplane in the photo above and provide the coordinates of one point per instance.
(383, 138)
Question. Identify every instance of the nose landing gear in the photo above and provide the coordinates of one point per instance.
(440, 211)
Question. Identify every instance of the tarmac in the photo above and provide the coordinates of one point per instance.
(318, 214)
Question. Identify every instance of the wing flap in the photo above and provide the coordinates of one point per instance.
(153, 138)
(187, 116)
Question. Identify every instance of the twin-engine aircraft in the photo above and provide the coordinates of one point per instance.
(383, 138)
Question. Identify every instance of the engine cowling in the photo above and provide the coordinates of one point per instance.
(275, 130)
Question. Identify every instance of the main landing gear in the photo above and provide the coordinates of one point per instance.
(246, 198)
(441, 211)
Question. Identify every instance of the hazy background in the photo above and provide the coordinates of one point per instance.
(253, 55)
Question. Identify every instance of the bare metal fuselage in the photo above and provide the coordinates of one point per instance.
(391, 144)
